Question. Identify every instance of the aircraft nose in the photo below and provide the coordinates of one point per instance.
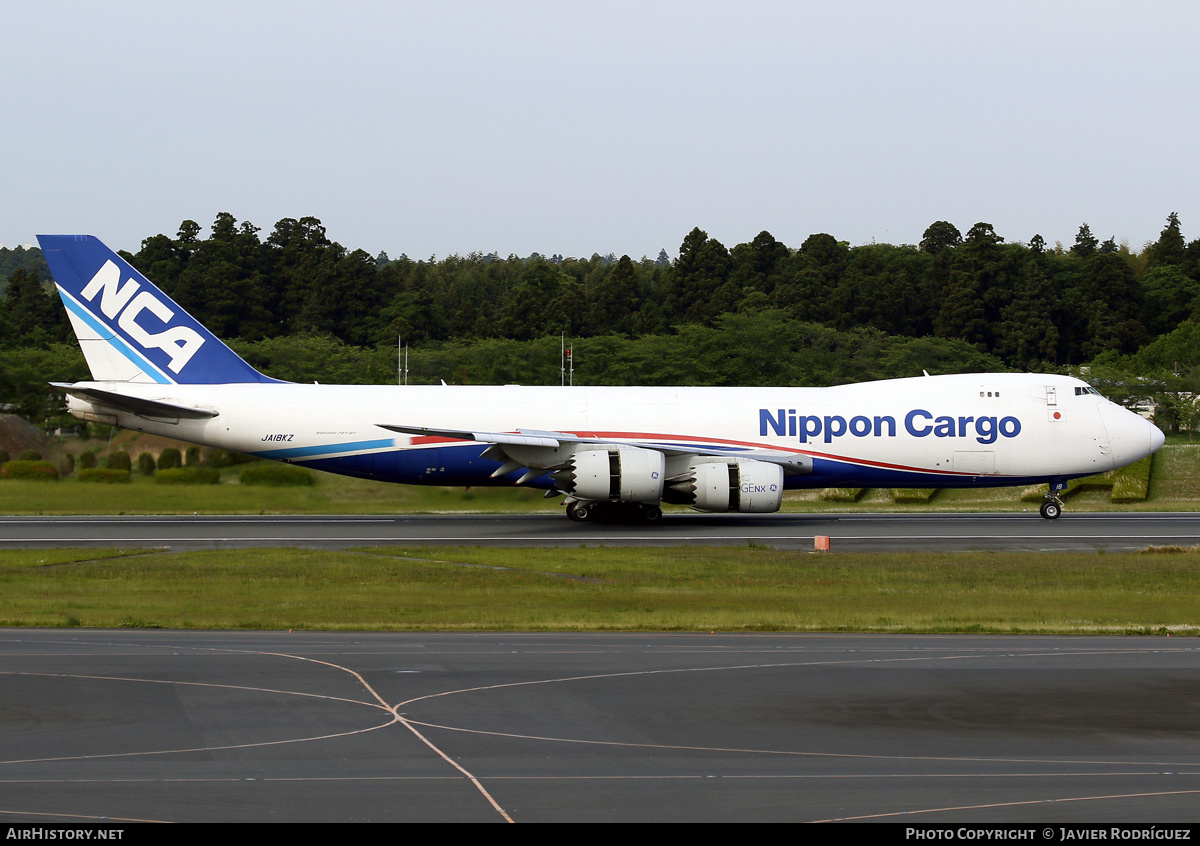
(1131, 436)
(1157, 438)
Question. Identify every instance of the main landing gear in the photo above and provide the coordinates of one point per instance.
(613, 512)
(1052, 507)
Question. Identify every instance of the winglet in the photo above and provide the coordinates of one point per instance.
(129, 330)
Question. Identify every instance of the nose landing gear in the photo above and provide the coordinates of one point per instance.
(1052, 507)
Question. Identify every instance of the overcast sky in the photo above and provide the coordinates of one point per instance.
(449, 127)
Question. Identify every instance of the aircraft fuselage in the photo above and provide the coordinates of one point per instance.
(937, 431)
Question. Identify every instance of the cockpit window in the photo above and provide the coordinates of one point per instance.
(1086, 389)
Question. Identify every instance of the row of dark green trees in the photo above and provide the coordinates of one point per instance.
(978, 301)
(1028, 304)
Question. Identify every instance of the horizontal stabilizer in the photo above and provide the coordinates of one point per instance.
(135, 405)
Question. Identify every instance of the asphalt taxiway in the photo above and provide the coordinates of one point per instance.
(316, 727)
(848, 532)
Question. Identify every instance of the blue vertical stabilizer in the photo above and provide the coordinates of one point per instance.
(129, 330)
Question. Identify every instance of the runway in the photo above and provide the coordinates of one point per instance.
(315, 727)
(848, 532)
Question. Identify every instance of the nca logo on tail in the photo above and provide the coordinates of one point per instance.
(178, 342)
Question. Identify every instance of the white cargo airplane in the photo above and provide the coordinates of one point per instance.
(605, 450)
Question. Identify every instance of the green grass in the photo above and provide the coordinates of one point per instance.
(1176, 475)
(696, 589)
(19, 559)
(329, 494)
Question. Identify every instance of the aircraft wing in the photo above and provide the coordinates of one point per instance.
(552, 442)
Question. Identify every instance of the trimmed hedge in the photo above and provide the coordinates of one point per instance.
(105, 475)
(26, 469)
(187, 476)
(169, 459)
(1132, 483)
(118, 460)
(275, 475)
(913, 496)
(225, 458)
(842, 494)
(1126, 484)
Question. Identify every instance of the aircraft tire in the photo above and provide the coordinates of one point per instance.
(582, 512)
(651, 514)
(1051, 510)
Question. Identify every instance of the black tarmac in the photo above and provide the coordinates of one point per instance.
(848, 532)
(315, 727)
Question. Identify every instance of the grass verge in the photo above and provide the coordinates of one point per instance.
(329, 494)
(675, 589)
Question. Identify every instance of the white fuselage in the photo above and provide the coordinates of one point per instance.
(943, 431)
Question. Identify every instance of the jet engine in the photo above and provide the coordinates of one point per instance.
(626, 474)
(747, 486)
